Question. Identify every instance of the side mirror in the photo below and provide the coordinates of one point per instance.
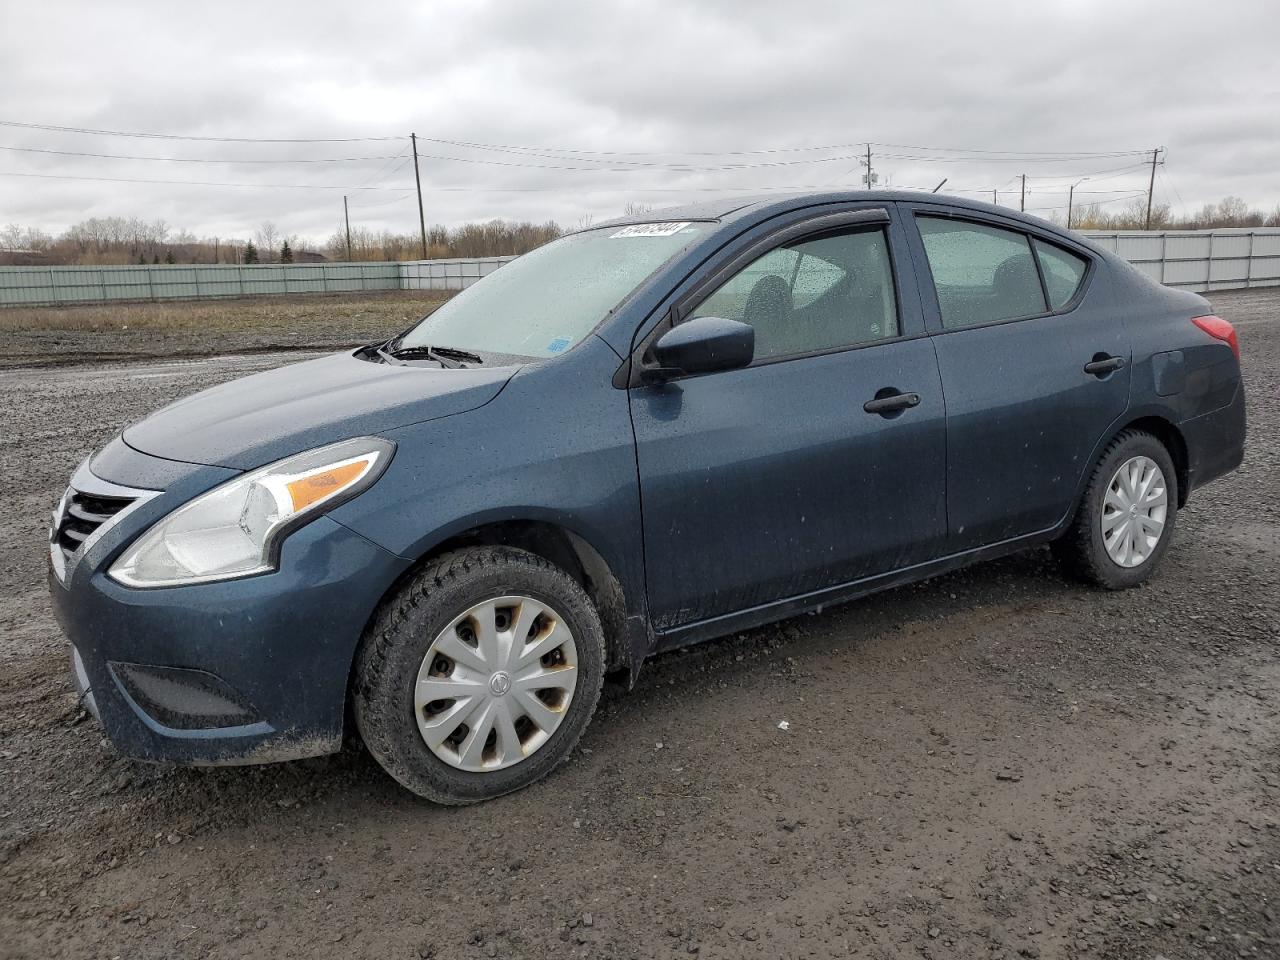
(702, 345)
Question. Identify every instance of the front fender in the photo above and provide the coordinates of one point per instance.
(555, 447)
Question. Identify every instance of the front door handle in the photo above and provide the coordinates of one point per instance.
(1101, 365)
(892, 403)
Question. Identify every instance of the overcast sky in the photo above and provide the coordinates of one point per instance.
(623, 92)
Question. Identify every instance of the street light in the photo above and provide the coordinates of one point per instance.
(1071, 196)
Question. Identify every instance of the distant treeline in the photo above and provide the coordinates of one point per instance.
(1228, 212)
(131, 240)
(497, 238)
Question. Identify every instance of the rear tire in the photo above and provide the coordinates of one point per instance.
(450, 703)
(1125, 520)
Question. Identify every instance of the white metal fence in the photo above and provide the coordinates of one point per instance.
(42, 286)
(447, 274)
(1198, 260)
(66, 285)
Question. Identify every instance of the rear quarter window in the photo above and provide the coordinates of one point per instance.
(1063, 272)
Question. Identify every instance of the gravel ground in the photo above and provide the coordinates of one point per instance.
(993, 764)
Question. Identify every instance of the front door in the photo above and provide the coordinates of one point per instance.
(821, 463)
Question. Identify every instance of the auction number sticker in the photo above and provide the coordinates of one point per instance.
(650, 230)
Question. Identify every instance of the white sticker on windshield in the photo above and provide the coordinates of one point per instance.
(650, 230)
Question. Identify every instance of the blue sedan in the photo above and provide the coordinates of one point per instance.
(637, 437)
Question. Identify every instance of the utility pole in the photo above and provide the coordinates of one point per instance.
(1151, 187)
(995, 200)
(417, 179)
(869, 177)
(347, 217)
(1070, 197)
(1022, 204)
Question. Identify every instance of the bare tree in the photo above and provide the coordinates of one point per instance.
(267, 235)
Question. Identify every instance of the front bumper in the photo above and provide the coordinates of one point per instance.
(242, 671)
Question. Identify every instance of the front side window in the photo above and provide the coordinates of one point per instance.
(544, 302)
(1063, 272)
(807, 297)
(982, 274)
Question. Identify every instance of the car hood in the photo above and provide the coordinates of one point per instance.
(255, 420)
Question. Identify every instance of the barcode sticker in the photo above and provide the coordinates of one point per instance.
(650, 230)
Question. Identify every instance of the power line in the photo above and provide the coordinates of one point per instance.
(174, 136)
(656, 167)
(385, 170)
(1019, 153)
(1061, 206)
(383, 203)
(322, 186)
(117, 156)
(196, 183)
(1092, 174)
(1164, 175)
(633, 167)
(1061, 158)
(555, 153)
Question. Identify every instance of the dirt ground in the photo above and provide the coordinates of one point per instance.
(994, 764)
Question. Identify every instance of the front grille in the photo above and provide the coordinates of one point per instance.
(82, 514)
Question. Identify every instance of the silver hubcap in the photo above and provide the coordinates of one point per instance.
(495, 684)
(1133, 511)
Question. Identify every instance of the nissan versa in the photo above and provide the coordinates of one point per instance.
(636, 437)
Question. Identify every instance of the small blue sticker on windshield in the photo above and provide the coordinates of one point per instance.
(558, 344)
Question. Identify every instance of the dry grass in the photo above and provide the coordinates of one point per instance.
(80, 334)
(230, 314)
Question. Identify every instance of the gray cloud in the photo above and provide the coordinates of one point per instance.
(673, 79)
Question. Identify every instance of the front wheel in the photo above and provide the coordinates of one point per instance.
(1125, 520)
(480, 675)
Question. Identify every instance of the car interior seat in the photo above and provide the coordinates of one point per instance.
(1016, 288)
(768, 309)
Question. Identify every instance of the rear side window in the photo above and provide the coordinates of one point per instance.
(807, 297)
(1062, 271)
(982, 274)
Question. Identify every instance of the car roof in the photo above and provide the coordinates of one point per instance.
(761, 206)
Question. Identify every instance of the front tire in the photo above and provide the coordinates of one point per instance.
(1125, 520)
(479, 675)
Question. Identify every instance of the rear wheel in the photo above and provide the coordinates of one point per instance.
(480, 675)
(1124, 522)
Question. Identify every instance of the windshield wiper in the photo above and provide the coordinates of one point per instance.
(445, 356)
(453, 354)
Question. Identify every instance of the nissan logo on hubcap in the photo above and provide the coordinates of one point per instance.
(499, 684)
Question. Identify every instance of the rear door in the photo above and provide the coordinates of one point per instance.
(1033, 372)
(777, 480)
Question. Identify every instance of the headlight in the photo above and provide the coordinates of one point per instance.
(235, 530)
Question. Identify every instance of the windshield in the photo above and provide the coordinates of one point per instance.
(541, 304)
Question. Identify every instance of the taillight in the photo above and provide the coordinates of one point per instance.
(1219, 329)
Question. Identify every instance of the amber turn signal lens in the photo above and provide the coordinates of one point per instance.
(307, 490)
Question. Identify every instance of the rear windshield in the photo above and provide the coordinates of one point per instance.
(541, 304)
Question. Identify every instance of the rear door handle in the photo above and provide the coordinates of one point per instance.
(893, 403)
(1103, 365)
